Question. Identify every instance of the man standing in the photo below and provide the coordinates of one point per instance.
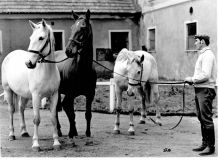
(204, 80)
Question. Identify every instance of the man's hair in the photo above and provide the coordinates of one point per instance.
(206, 38)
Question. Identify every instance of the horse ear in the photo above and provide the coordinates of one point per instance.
(88, 15)
(33, 25)
(43, 23)
(74, 15)
(142, 58)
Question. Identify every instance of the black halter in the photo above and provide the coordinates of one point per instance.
(82, 43)
(42, 59)
(139, 81)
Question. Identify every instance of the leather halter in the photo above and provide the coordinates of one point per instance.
(81, 44)
(41, 50)
(139, 81)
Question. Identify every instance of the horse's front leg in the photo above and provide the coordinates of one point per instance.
(131, 130)
(88, 114)
(22, 105)
(53, 105)
(36, 100)
(118, 91)
(68, 107)
(143, 109)
(58, 108)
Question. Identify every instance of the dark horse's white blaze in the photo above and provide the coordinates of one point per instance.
(32, 81)
(136, 65)
(78, 76)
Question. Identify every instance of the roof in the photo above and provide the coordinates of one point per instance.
(64, 6)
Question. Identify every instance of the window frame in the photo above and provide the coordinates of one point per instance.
(148, 39)
(63, 37)
(186, 34)
(124, 30)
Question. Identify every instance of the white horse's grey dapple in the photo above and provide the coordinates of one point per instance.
(137, 66)
(25, 77)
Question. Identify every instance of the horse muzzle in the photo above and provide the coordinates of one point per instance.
(130, 91)
(30, 65)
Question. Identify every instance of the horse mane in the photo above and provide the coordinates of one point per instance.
(124, 55)
(52, 39)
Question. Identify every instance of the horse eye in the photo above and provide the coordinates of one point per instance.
(139, 72)
(41, 38)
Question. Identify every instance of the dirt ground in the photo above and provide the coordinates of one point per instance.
(149, 140)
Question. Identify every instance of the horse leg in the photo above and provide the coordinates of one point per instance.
(88, 114)
(22, 105)
(117, 109)
(68, 107)
(11, 109)
(131, 123)
(143, 109)
(36, 100)
(155, 92)
(59, 106)
(53, 105)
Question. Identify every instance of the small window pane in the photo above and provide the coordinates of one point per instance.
(191, 32)
(58, 41)
(152, 40)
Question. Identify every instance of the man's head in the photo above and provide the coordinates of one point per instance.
(201, 41)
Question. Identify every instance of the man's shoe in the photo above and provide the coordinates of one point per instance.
(200, 148)
(208, 151)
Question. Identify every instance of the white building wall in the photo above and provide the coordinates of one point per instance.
(169, 17)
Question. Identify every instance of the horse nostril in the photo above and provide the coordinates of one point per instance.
(30, 65)
(130, 94)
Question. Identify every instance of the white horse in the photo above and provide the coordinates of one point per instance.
(25, 76)
(132, 72)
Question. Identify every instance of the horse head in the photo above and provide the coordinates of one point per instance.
(80, 34)
(41, 43)
(135, 69)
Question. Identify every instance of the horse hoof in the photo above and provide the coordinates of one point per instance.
(36, 149)
(116, 131)
(131, 133)
(11, 138)
(57, 147)
(141, 122)
(25, 135)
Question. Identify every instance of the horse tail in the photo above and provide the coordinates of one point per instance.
(148, 96)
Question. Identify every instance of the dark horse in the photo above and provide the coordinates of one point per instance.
(78, 76)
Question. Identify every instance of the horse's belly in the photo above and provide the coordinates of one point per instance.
(15, 74)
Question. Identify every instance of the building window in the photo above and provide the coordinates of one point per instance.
(1, 48)
(59, 39)
(152, 39)
(119, 39)
(191, 31)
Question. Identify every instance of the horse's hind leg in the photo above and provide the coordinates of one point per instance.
(11, 108)
(22, 105)
(117, 109)
(155, 92)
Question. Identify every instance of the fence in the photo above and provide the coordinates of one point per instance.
(112, 91)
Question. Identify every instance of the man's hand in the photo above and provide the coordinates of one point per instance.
(189, 80)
